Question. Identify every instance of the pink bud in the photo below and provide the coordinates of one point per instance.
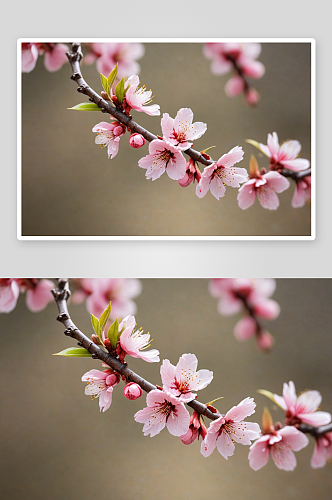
(136, 141)
(112, 379)
(132, 391)
(118, 130)
(251, 97)
(265, 341)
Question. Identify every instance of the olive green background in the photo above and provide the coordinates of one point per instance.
(56, 444)
(71, 188)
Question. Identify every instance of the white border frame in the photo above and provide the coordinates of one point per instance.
(312, 41)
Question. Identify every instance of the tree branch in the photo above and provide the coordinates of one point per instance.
(74, 58)
(315, 431)
(61, 295)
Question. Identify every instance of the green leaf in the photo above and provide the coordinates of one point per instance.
(104, 83)
(112, 75)
(113, 333)
(86, 106)
(268, 394)
(105, 315)
(74, 352)
(96, 325)
(254, 143)
(120, 91)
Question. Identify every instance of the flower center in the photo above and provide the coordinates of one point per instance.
(165, 408)
(164, 156)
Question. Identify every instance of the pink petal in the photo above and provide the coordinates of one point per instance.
(268, 309)
(217, 188)
(38, 297)
(254, 69)
(55, 59)
(259, 453)
(234, 86)
(167, 372)
(178, 421)
(225, 446)
(29, 58)
(167, 125)
(294, 438)
(296, 165)
(202, 187)
(308, 402)
(233, 156)
(247, 194)
(319, 457)
(8, 296)
(176, 167)
(220, 66)
(283, 457)
(229, 305)
(245, 328)
(245, 408)
(289, 150)
(289, 395)
(278, 182)
(273, 143)
(316, 419)
(187, 364)
(267, 197)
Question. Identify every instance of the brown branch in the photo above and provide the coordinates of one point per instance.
(296, 176)
(74, 58)
(315, 431)
(61, 295)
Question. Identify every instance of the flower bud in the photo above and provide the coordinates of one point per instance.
(136, 141)
(96, 339)
(105, 95)
(118, 130)
(132, 391)
(251, 97)
(265, 341)
(112, 379)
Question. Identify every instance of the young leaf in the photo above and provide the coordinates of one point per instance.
(96, 325)
(104, 83)
(74, 352)
(86, 106)
(120, 91)
(112, 75)
(254, 143)
(113, 333)
(105, 315)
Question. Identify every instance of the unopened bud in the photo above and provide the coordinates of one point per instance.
(105, 95)
(136, 141)
(112, 379)
(251, 97)
(119, 130)
(96, 339)
(265, 341)
(132, 391)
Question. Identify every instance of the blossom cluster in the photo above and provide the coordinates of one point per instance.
(251, 297)
(280, 442)
(241, 59)
(54, 55)
(38, 293)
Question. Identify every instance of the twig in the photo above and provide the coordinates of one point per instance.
(61, 295)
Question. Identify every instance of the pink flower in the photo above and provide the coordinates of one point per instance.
(29, 57)
(302, 408)
(302, 192)
(132, 391)
(163, 157)
(109, 134)
(55, 56)
(136, 141)
(99, 292)
(38, 294)
(323, 451)
(232, 292)
(163, 409)
(196, 429)
(181, 130)
(224, 55)
(216, 176)
(192, 173)
(284, 156)
(278, 443)
(182, 379)
(108, 54)
(137, 98)
(100, 385)
(229, 428)
(265, 187)
(9, 292)
(132, 342)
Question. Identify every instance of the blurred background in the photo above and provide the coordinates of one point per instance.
(71, 188)
(56, 444)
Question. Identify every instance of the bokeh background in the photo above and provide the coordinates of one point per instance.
(71, 188)
(56, 444)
